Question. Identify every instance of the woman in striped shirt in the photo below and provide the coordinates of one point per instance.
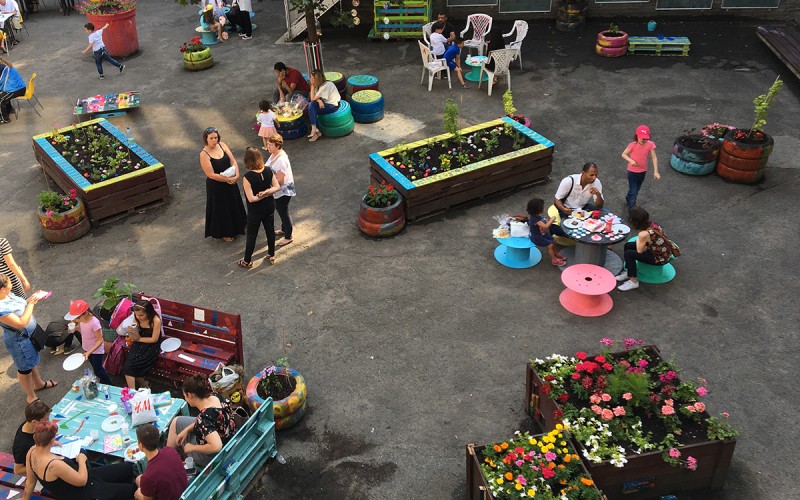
(9, 267)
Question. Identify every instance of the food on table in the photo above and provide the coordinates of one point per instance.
(593, 225)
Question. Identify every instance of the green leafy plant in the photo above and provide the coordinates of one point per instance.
(636, 384)
(112, 292)
(106, 7)
(275, 382)
(381, 195)
(613, 29)
(55, 203)
(762, 104)
(508, 103)
(450, 120)
(720, 429)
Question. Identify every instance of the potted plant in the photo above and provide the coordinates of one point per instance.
(381, 212)
(633, 417)
(287, 388)
(545, 466)
(112, 291)
(121, 38)
(511, 111)
(196, 55)
(745, 152)
(62, 217)
(696, 154)
(612, 42)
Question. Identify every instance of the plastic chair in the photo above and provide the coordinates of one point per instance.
(481, 25)
(502, 59)
(426, 33)
(28, 96)
(432, 65)
(521, 27)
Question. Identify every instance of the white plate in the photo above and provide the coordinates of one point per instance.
(620, 228)
(580, 214)
(112, 424)
(171, 344)
(73, 362)
(137, 455)
(571, 223)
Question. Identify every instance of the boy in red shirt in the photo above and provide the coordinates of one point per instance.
(636, 155)
(290, 83)
(164, 478)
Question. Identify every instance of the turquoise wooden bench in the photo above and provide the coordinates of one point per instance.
(241, 462)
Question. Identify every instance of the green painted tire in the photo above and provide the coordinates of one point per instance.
(338, 118)
(339, 131)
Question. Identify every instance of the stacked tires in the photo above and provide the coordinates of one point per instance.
(692, 160)
(289, 410)
(337, 124)
(198, 61)
(571, 15)
(367, 106)
(358, 83)
(743, 162)
(339, 80)
(380, 222)
(291, 128)
(611, 44)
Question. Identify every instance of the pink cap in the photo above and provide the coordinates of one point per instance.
(76, 308)
(642, 132)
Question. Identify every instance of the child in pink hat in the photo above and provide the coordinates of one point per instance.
(636, 154)
(91, 336)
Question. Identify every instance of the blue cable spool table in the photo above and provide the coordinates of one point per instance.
(517, 252)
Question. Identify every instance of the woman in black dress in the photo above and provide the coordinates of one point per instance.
(259, 186)
(146, 344)
(225, 216)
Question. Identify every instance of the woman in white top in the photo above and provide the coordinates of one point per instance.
(278, 162)
(324, 100)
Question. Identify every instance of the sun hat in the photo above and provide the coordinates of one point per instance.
(642, 132)
(76, 308)
(209, 7)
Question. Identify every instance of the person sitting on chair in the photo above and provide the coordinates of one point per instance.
(165, 477)
(11, 86)
(10, 7)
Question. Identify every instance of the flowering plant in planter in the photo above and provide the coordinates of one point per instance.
(629, 402)
(547, 467)
(193, 45)
(107, 7)
(380, 195)
(274, 382)
(716, 130)
(55, 203)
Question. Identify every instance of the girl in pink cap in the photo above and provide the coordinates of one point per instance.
(636, 155)
(91, 336)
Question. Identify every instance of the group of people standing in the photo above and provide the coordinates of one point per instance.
(237, 15)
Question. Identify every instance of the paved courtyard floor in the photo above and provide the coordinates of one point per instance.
(416, 345)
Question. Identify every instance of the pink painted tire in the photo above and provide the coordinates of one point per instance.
(605, 40)
(286, 407)
(610, 51)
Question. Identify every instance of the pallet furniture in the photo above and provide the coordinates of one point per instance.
(655, 46)
(208, 337)
(237, 468)
(435, 194)
(107, 200)
(400, 20)
(784, 41)
(12, 485)
(105, 106)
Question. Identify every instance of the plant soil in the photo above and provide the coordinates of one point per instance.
(744, 136)
(288, 388)
(700, 142)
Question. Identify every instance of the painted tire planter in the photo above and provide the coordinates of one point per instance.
(286, 408)
(571, 16)
(380, 222)
(340, 117)
(742, 161)
(340, 131)
(121, 38)
(610, 51)
(692, 168)
(357, 83)
(738, 176)
(198, 61)
(367, 106)
(732, 147)
(291, 128)
(369, 118)
(339, 80)
(607, 39)
(65, 227)
(696, 155)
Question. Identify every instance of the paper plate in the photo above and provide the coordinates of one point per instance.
(133, 453)
(112, 424)
(620, 228)
(73, 362)
(171, 344)
(571, 223)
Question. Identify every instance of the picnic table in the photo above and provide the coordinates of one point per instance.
(108, 103)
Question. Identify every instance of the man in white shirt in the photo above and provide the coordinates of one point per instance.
(578, 191)
(10, 7)
(438, 40)
(97, 46)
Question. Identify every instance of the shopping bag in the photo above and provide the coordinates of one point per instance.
(228, 382)
(142, 409)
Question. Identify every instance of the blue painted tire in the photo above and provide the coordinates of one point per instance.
(695, 155)
(368, 118)
(692, 168)
(291, 135)
(294, 124)
(339, 131)
(367, 108)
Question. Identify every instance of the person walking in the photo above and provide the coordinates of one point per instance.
(97, 46)
(259, 186)
(636, 154)
(278, 162)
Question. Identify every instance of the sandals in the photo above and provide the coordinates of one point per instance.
(227, 238)
(315, 137)
(48, 384)
(464, 86)
(271, 259)
(283, 242)
(558, 262)
(243, 263)
(279, 232)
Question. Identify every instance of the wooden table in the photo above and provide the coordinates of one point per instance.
(108, 104)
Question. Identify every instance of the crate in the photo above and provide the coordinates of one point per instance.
(653, 46)
(404, 20)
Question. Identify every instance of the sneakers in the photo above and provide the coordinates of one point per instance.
(245, 37)
(102, 77)
(121, 68)
(58, 350)
(623, 276)
(67, 350)
(628, 285)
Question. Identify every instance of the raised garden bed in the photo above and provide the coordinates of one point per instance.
(640, 475)
(510, 167)
(135, 181)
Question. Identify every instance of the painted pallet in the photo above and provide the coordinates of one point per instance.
(653, 46)
(784, 41)
(400, 20)
(12, 485)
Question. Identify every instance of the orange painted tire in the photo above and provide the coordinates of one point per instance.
(739, 176)
(604, 40)
(610, 51)
(743, 164)
(747, 150)
(379, 222)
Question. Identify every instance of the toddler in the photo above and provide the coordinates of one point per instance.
(266, 120)
(540, 231)
(91, 337)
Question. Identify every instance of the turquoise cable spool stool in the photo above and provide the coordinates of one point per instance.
(337, 124)
(654, 275)
(358, 83)
(207, 37)
(367, 106)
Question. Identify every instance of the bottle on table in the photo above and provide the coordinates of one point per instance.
(89, 383)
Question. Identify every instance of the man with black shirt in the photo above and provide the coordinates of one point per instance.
(449, 30)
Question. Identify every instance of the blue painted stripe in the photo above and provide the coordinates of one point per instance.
(211, 327)
(396, 175)
(532, 134)
(63, 164)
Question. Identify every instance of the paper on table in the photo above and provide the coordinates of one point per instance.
(69, 450)
(112, 443)
(187, 358)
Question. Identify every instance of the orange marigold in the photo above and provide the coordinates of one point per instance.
(509, 476)
(562, 481)
(504, 445)
(562, 466)
(587, 481)
(551, 465)
(497, 448)
(567, 458)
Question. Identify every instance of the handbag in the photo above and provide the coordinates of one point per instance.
(38, 338)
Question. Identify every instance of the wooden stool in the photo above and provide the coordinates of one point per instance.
(587, 290)
(564, 242)
(367, 106)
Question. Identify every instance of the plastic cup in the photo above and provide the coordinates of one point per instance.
(95, 435)
(124, 429)
(188, 463)
(71, 327)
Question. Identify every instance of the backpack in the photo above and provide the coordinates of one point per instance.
(116, 357)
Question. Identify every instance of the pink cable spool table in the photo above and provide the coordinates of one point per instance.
(587, 290)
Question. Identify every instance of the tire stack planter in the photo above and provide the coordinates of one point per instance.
(611, 44)
(694, 161)
(121, 38)
(339, 80)
(198, 61)
(571, 15)
(289, 410)
(65, 227)
(367, 106)
(358, 83)
(292, 127)
(337, 124)
(380, 222)
(743, 162)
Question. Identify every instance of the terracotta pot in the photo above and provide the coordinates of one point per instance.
(382, 221)
(121, 38)
(289, 410)
(65, 227)
(198, 61)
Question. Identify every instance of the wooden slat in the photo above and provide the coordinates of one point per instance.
(784, 41)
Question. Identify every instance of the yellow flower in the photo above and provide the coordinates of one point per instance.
(499, 480)
(566, 450)
(518, 486)
(563, 443)
(560, 435)
(532, 441)
(559, 427)
(531, 492)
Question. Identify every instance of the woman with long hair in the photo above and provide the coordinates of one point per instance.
(146, 337)
(225, 216)
(323, 100)
(650, 247)
(259, 186)
(278, 162)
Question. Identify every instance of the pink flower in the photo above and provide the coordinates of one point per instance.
(596, 409)
(643, 362)
(667, 410)
(691, 408)
(519, 463)
(550, 456)
(607, 341)
(606, 397)
(607, 414)
(700, 406)
(521, 480)
(674, 453)
(692, 463)
(726, 414)
(49, 213)
(627, 396)
(701, 391)
(594, 398)
(619, 411)
(668, 402)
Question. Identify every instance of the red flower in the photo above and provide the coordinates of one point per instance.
(557, 414)
(548, 378)
(608, 366)
(563, 398)
(546, 389)
(580, 355)
(519, 450)
(576, 376)
(547, 473)
(600, 359)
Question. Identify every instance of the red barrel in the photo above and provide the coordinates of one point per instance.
(121, 37)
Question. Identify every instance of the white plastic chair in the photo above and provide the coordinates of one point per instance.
(426, 33)
(432, 66)
(521, 27)
(481, 25)
(502, 59)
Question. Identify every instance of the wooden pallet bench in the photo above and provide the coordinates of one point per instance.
(208, 337)
(784, 41)
(12, 485)
(653, 46)
(404, 20)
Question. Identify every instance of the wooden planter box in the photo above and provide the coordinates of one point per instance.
(646, 475)
(436, 193)
(119, 195)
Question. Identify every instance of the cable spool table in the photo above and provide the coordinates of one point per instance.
(367, 106)
(357, 83)
(587, 290)
(291, 127)
(517, 252)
